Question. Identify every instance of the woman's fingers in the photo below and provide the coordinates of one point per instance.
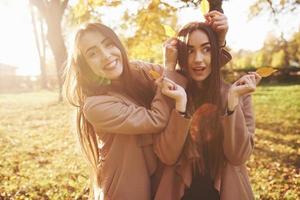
(257, 77)
(170, 53)
(171, 41)
(167, 83)
(213, 13)
(245, 85)
(214, 16)
(158, 81)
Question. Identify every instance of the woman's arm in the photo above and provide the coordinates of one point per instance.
(111, 114)
(238, 132)
(239, 124)
(218, 22)
(169, 144)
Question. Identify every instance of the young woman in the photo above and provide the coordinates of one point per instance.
(219, 138)
(118, 110)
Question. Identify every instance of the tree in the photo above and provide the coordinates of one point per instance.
(274, 8)
(85, 10)
(146, 43)
(39, 36)
(294, 48)
(52, 12)
(213, 4)
(260, 59)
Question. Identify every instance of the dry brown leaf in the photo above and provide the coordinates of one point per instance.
(265, 71)
(154, 74)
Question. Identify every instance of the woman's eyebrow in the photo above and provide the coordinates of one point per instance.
(94, 46)
(104, 40)
(203, 44)
(90, 48)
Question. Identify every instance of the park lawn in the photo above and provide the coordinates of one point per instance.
(40, 156)
(275, 165)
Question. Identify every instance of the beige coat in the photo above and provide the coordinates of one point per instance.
(175, 174)
(130, 135)
(125, 132)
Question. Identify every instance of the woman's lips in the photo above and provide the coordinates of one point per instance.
(111, 65)
(199, 69)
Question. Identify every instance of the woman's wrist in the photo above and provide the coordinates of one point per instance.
(170, 66)
(222, 44)
(180, 105)
(233, 100)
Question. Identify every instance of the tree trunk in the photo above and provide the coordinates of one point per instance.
(56, 42)
(40, 47)
(52, 11)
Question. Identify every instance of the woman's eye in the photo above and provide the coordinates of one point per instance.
(190, 51)
(206, 49)
(91, 54)
(109, 45)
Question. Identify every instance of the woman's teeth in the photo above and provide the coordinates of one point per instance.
(199, 69)
(110, 65)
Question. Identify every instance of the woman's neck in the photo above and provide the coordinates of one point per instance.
(200, 84)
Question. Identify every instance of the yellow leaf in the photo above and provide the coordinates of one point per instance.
(169, 31)
(154, 4)
(154, 74)
(204, 6)
(265, 71)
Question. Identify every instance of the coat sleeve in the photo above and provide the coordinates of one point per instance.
(239, 132)
(225, 57)
(169, 144)
(141, 73)
(111, 114)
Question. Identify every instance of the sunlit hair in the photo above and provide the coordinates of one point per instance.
(210, 93)
(81, 82)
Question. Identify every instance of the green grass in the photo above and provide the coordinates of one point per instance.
(275, 165)
(40, 157)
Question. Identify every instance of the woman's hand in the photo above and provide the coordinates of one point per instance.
(218, 22)
(170, 54)
(245, 85)
(174, 91)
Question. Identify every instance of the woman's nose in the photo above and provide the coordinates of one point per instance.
(105, 54)
(198, 57)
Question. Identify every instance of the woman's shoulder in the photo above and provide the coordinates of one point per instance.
(138, 65)
(101, 100)
(98, 107)
(141, 72)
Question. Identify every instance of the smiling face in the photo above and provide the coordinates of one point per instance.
(101, 54)
(199, 56)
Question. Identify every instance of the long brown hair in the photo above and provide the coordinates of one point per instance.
(81, 82)
(210, 93)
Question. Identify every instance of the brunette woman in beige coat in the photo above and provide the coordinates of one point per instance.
(118, 111)
(219, 139)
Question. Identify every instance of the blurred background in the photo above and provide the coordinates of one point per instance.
(39, 154)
